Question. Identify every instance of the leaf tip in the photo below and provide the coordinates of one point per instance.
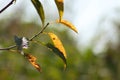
(68, 24)
(65, 66)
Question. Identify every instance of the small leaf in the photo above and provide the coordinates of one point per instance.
(37, 4)
(68, 24)
(58, 46)
(32, 60)
(60, 6)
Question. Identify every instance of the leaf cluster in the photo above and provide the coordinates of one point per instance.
(22, 43)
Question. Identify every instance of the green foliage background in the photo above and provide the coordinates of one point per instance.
(81, 65)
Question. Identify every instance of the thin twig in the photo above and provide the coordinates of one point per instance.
(8, 48)
(39, 32)
(7, 6)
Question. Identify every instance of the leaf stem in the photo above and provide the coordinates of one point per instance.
(7, 6)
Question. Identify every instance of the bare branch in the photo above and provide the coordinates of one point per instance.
(7, 6)
(11, 47)
(39, 32)
(8, 48)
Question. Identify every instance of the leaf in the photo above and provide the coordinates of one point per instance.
(59, 49)
(57, 43)
(68, 24)
(37, 4)
(57, 52)
(32, 60)
(60, 6)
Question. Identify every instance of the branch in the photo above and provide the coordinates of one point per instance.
(7, 6)
(8, 48)
(39, 32)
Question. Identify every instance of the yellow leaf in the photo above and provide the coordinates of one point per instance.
(57, 43)
(37, 4)
(60, 6)
(32, 60)
(68, 24)
(58, 46)
(57, 52)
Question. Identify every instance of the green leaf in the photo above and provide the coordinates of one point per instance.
(37, 4)
(60, 6)
(57, 52)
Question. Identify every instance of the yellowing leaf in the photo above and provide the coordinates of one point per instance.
(32, 60)
(68, 24)
(59, 49)
(57, 52)
(60, 6)
(37, 4)
(57, 43)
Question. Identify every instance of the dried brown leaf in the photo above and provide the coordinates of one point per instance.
(32, 60)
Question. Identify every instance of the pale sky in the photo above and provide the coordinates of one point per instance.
(85, 14)
(87, 19)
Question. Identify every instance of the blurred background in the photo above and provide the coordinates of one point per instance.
(93, 53)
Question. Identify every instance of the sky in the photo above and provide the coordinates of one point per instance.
(84, 14)
(88, 17)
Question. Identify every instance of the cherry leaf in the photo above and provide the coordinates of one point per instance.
(57, 52)
(59, 48)
(68, 24)
(37, 4)
(32, 60)
(60, 6)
